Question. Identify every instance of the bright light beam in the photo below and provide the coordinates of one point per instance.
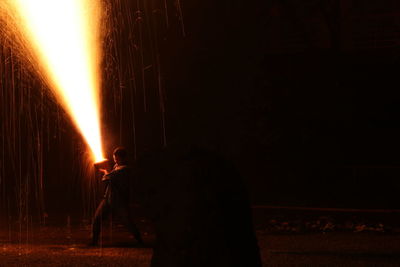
(65, 38)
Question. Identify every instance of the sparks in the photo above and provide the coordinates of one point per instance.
(65, 39)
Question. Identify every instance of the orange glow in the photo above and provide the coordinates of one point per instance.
(65, 39)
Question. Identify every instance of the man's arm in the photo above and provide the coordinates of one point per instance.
(112, 174)
(107, 175)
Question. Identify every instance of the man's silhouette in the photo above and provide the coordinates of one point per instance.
(116, 197)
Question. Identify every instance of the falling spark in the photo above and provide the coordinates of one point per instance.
(65, 39)
(31, 121)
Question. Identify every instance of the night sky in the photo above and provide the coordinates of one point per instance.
(301, 95)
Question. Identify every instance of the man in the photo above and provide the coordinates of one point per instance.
(116, 197)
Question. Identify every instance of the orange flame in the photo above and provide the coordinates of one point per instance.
(65, 39)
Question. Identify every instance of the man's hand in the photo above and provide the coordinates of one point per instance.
(104, 171)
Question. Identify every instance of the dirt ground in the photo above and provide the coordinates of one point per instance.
(330, 249)
(67, 246)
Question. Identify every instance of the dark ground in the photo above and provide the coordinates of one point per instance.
(286, 238)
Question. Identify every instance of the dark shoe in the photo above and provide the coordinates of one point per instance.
(139, 239)
(140, 242)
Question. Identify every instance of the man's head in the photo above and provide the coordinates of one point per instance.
(120, 156)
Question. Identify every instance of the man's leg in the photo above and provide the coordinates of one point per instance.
(133, 228)
(103, 210)
(126, 219)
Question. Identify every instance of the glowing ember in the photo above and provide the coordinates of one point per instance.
(65, 36)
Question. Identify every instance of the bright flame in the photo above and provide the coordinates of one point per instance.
(65, 37)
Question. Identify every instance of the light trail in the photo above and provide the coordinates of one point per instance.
(64, 36)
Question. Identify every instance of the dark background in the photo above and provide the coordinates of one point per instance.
(302, 96)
